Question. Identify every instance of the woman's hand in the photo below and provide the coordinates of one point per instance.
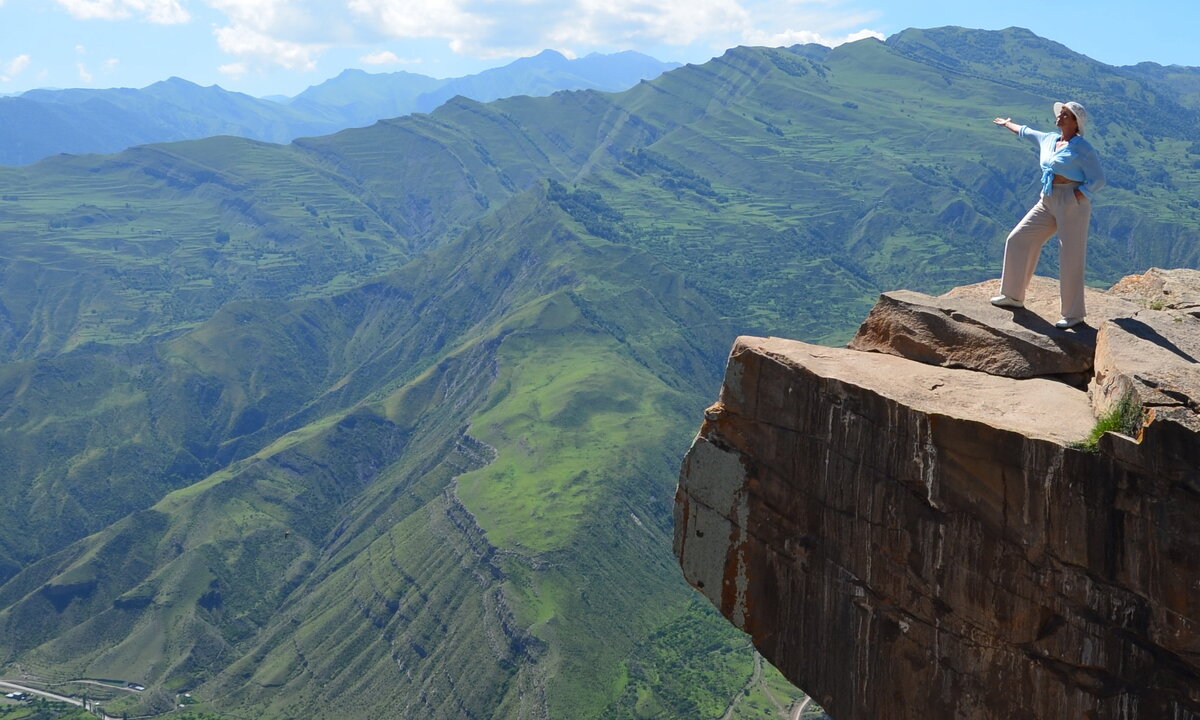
(1002, 121)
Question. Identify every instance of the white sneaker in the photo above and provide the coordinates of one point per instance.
(1006, 301)
(1066, 322)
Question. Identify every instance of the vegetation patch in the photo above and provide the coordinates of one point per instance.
(39, 708)
(698, 666)
(567, 410)
(589, 209)
(1126, 417)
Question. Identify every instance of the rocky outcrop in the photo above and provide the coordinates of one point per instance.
(961, 329)
(917, 534)
(1151, 356)
(1161, 290)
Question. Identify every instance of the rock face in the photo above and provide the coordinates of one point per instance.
(907, 540)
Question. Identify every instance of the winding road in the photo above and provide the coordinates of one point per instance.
(53, 696)
(757, 679)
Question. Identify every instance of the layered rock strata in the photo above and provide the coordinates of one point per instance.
(907, 540)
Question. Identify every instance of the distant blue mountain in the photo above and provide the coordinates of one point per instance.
(361, 98)
(40, 123)
(357, 98)
(546, 73)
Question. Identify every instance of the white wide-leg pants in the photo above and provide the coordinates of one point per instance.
(1059, 212)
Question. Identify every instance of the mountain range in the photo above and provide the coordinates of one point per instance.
(386, 423)
(40, 123)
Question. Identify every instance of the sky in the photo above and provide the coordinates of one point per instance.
(281, 47)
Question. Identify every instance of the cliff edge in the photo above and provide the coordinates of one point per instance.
(917, 526)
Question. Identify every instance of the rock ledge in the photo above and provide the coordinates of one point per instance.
(910, 532)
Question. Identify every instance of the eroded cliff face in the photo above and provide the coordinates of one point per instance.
(918, 538)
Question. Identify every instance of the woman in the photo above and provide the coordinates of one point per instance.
(1070, 174)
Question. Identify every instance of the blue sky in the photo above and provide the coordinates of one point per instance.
(264, 47)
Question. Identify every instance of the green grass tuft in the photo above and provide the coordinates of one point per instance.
(1125, 417)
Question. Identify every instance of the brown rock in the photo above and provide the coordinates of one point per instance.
(1152, 358)
(1158, 289)
(907, 541)
(962, 329)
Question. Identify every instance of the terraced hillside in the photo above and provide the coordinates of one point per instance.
(386, 423)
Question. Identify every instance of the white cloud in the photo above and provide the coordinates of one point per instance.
(294, 33)
(417, 18)
(383, 57)
(863, 35)
(794, 37)
(308, 22)
(261, 14)
(234, 70)
(630, 22)
(84, 75)
(14, 67)
(111, 64)
(285, 33)
(94, 9)
(163, 12)
(490, 29)
(247, 42)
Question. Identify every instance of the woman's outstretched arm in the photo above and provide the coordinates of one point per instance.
(1008, 123)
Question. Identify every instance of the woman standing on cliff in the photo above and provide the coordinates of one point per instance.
(1071, 172)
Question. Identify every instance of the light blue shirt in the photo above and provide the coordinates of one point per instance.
(1077, 161)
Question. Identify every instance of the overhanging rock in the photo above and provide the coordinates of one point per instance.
(906, 540)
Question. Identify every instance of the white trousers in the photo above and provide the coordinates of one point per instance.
(1059, 212)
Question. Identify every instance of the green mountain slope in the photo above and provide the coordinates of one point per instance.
(359, 535)
(386, 423)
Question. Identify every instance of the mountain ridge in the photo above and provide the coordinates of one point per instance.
(40, 123)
